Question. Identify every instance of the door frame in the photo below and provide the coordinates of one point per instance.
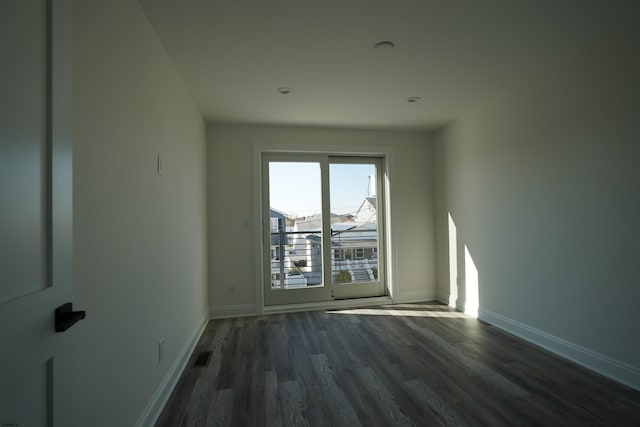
(386, 155)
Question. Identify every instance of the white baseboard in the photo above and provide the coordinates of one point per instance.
(416, 296)
(226, 311)
(444, 298)
(160, 397)
(617, 371)
(328, 305)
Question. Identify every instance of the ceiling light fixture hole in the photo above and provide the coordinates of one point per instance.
(413, 99)
(284, 90)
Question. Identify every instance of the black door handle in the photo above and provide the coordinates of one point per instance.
(66, 317)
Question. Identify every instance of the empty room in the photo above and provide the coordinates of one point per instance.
(254, 213)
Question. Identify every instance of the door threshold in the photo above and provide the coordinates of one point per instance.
(327, 305)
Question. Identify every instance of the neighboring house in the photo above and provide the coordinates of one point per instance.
(311, 257)
(354, 248)
(367, 212)
(278, 222)
(307, 246)
(311, 225)
(356, 251)
(354, 244)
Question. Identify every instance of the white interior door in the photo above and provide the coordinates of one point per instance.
(323, 228)
(35, 211)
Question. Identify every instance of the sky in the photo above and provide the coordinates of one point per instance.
(294, 188)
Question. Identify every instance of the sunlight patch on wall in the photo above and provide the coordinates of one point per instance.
(453, 262)
(472, 296)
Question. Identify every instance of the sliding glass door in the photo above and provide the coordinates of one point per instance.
(323, 226)
(355, 243)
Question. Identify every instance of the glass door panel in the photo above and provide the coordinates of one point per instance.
(322, 229)
(295, 219)
(355, 234)
(354, 225)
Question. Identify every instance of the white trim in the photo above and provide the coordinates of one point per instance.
(611, 368)
(390, 225)
(257, 227)
(159, 399)
(384, 151)
(328, 305)
(226, 311)
(458, 304)
(444, 298)
(416, 296)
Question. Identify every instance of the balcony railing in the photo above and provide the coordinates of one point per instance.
(298, 261)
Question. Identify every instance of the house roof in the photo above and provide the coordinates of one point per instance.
(278, 213)
(373, 201)
(314, 222)
(368, 207)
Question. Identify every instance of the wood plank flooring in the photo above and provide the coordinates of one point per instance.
(400, 365)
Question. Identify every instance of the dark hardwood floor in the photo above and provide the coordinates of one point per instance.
(411, 364)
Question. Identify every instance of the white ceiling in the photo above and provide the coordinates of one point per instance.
(234, 54)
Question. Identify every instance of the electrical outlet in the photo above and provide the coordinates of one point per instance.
(160, 350)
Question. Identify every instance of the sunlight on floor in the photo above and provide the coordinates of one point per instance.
(404, 313)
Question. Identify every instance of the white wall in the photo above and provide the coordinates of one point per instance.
(542, 185)
(231, 202)
(139, 238)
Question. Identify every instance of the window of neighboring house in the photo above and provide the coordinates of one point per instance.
(359, 253)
